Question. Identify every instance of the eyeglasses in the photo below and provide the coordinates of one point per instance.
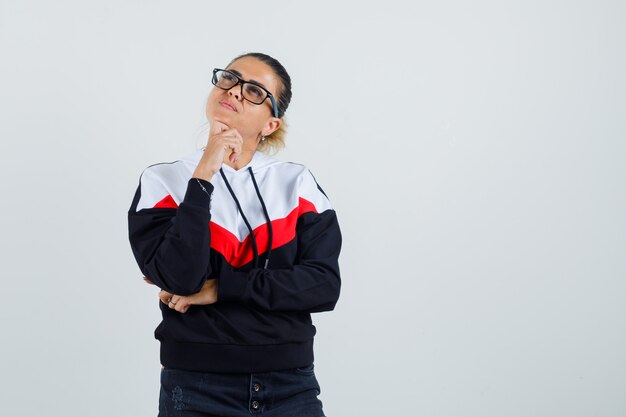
(250, 91)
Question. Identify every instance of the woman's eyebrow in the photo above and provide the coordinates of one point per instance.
(238, 74)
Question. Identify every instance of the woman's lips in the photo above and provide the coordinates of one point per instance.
(228, 105)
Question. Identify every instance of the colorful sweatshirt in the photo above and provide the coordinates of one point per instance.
(267, 232)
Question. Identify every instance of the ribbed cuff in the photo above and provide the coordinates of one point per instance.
(232, 285)
(197, 196)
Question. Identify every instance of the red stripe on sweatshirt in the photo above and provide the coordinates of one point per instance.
(239, 253)
(166, 202)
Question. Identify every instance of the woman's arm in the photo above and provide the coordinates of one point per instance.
(172, 245)
(311, 285)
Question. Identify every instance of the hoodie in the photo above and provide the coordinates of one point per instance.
(267, 232)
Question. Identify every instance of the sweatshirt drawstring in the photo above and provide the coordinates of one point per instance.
(270, 238)
(255, 250)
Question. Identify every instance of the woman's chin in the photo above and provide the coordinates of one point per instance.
(222, 116)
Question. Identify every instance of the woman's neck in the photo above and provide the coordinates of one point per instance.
(244, 159)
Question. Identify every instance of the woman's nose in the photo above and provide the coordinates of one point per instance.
(235, 91)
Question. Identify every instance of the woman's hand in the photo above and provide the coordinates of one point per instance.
(223, 141)
(207, 295)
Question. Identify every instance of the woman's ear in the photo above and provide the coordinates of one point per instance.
(272, 125)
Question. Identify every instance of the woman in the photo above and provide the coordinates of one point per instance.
(244, 247)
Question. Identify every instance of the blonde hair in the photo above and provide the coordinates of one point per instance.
(276, 141)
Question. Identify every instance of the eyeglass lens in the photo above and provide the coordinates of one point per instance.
(251, 92)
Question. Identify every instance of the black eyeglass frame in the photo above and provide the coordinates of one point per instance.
(241, 83)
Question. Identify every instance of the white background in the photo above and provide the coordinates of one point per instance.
(474, 152)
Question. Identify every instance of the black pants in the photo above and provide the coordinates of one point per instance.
(289, 393)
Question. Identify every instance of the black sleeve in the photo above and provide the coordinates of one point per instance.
(312, 285)
(172, 245)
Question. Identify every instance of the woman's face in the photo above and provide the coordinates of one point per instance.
(229, 107)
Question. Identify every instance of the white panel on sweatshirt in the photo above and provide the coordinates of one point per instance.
(281, 184)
